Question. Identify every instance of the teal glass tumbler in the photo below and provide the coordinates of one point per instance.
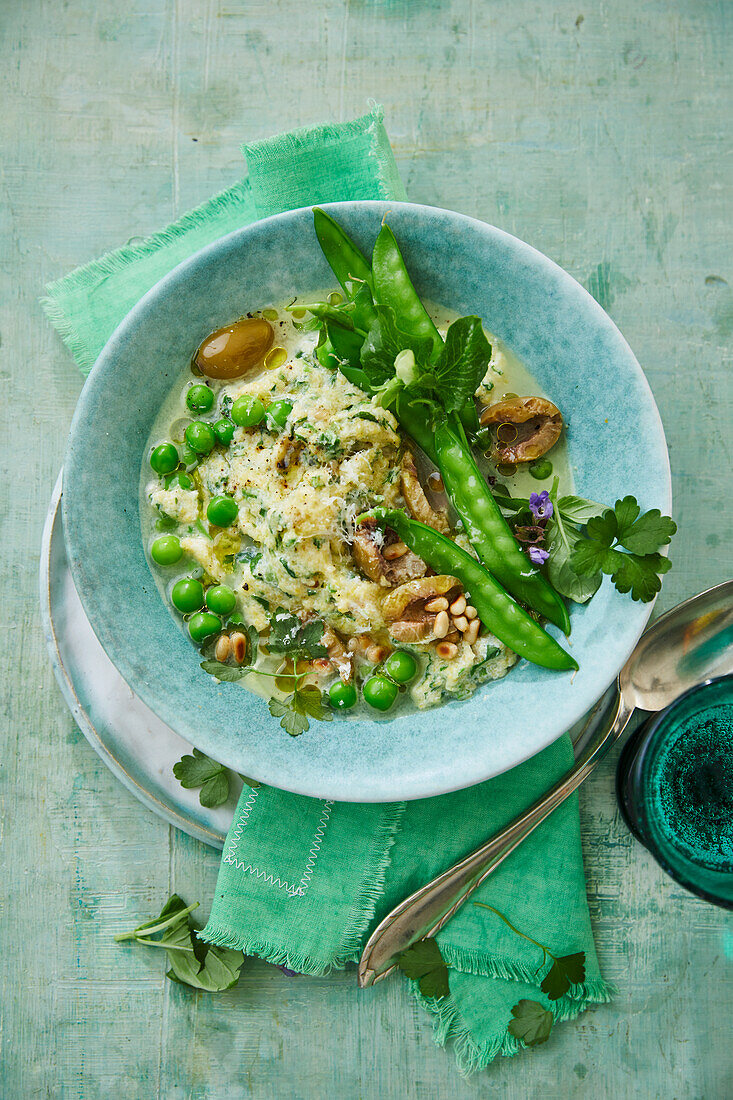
(674, 783)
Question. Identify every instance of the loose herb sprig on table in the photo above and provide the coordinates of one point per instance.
(201, 771)
(424, 963)
(192, 962)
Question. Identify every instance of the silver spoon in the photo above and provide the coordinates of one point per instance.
(688, 645)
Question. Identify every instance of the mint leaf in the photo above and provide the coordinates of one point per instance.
(649, 533)
(201, 771)
(577, 509)
(462, 363)
(562, 541)
(566, 970)
(532, 1023)
(424, 963)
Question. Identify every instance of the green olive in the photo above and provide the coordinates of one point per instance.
(379, 692)
(199, 398)
(401, 666)
(236, 349)
(164, 458)
(166, 550)
(342, 696)
(224, 430)
(221, 600)
(200, 437)
(222, 511)
(202, 625)
(187, 595)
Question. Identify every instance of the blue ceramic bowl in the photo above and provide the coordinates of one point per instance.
(576, 353)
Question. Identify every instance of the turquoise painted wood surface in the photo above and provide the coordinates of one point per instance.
(600, 133)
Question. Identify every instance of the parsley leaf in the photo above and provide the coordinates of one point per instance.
(566, 970)
(295, 639)
(228, 674)
(424, 963)
(295, 710)
(201, 771)
(462, 363)
(532, 1023)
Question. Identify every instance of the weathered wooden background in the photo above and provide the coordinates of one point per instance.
(599, 132)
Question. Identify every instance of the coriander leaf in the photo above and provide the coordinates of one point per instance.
(577, 509)
(462, 363)
(228, 674)
(291, 720)
(561, 543)
(424, 963)
(626, 511)
(639, 575)
(649, 533)
(566, 970)
(201, 771)
(603, 528)
(532, 1023)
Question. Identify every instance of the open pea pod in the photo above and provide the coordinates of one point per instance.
(498, 612)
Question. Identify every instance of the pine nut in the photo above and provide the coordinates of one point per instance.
(376, 654)
(446, 650)
(470, 611)
(458, 606)
(471, 634)
(438, 603)
(396, 550)
(441, 626)
(461, 623)
(239, 646)
(221, 650)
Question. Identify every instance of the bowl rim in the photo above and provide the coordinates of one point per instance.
(333, 789)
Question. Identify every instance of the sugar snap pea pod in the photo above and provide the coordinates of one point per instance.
(488, 531)
(347, 346)
(345, 260)
(393, 287)
(498, 612)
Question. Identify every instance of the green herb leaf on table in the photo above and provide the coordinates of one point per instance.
(201, 771)
(424, 963)
(532, 1023)
(193, 962)
(566, 970)
(295, 639)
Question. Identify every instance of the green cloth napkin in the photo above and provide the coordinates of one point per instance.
(302, 881)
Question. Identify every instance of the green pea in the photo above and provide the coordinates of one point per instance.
(541, 470)
(222, 511)
(278, 413)
(164, 458)
(247, 411)
(221, 599)
(199, 398)
(200, 437)
(187, 595)
(202, 625)
(401, 666)
(166, 550)
(342, 696)
(224, 430)
(379, 692)
(483, 439)
(178, 479)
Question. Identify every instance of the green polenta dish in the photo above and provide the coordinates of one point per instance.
(364, 503)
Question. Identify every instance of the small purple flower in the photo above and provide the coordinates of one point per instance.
(540, 505)
(537, 554)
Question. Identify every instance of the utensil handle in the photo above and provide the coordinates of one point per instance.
(425, 912)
